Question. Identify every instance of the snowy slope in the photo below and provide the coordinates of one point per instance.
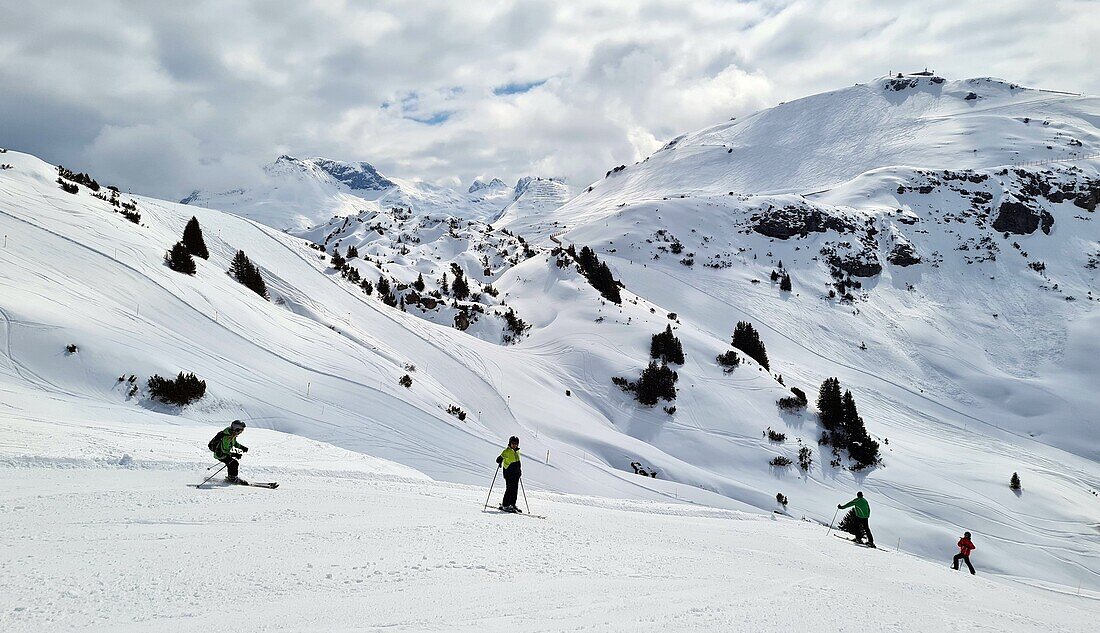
(353, 543)
(298, 194)
(820, 141)
(322, 359)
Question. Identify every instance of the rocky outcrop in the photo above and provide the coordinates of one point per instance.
(1018, 218)
(786, 222)
(903, 254)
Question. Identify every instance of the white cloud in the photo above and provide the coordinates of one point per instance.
(165, 97)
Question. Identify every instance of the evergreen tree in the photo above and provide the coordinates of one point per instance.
(179, 259)
(338, 261)
(746, 339)
(656, 382)
(459, 288)
(1014, 482)
(830, 405)
(785, 283)
(192, 239)
(666, 347)
(419, 283)
(183, 390)
(848, 524)
(246, 273)
(352, 252)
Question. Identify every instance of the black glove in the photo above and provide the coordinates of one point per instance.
(840, 507)
(243, 448)
(500, 460)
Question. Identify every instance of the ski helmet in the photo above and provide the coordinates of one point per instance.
(513, 440)
(966, 534)
(860, 494)
(236, 425)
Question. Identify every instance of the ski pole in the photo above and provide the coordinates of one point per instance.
(491, 487)
(831, 522)
(211, 476)
(524, 496)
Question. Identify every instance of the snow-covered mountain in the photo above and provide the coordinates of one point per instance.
(298, 194)
(941, 267)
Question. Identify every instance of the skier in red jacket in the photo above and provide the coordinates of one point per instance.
(965, 547)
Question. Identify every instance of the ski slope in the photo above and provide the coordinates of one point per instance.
(975, 367)
(104, 532)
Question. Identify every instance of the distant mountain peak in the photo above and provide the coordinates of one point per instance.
(478, 185)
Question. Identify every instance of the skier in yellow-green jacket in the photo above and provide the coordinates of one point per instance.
(509, 461)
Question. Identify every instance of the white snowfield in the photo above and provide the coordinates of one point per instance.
(104, 531)
(980, 360)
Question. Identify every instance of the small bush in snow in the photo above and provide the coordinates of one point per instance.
(457, 412)
(405, 381)
(666, 347)
(1014, 482)
(805, 458)
(183, 390)
(515, 326)
(781, 461)
(68, 187)
(785, 283)
(72, 349)
(180, 260)
(656, 382)
(728, 360)
(776, 436)
(848, 524)
(781, 499)
(791, 403)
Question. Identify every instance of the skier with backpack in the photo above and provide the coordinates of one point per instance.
(965, 547)
(223, 445)
(509, 461)
(863, 512)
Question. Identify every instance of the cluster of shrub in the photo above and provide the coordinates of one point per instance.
(180, 258)
(597, 273)
(844, 429)
(80, 178)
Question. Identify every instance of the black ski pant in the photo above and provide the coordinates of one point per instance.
(963, 557)
(511, 489)
(864, 530)
(232, 464)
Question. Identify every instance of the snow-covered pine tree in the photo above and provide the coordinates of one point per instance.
(746, 339)
(666, 347)
(179, 259)
(192, 239)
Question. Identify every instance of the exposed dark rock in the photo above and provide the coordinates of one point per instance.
(857, 264)
(903, 255)
(1015, 217)
(787, 222)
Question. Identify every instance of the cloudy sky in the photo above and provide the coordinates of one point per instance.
(166, 97)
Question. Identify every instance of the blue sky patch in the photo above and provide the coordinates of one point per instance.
(516, 88)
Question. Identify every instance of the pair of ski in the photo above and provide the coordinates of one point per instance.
(523, 514)
(857, 543)
(271, 485)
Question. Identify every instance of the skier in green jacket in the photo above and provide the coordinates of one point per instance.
(863, 512)
(223, 446)
(509, 460)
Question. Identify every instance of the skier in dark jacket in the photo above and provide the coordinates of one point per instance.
(965, 547)
(223, 446)
(509, 461)
(863, 512)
